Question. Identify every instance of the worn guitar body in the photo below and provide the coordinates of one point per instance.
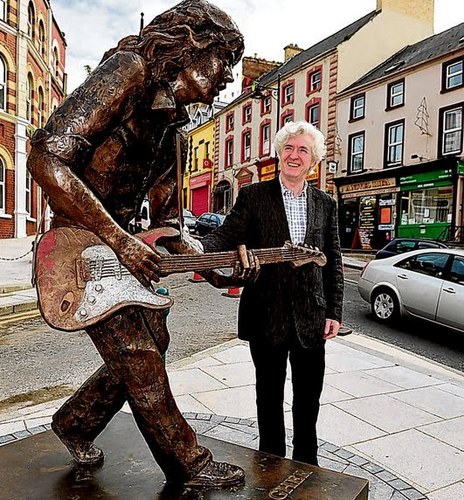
(81, 282)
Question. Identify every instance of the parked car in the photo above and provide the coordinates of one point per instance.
(189, 219)
(401, 245)
(207, 222)
(427, 284)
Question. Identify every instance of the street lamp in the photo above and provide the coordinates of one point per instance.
(258, 94)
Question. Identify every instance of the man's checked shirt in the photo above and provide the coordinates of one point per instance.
(296, 211)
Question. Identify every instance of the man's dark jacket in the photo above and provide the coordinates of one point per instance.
(284, 296)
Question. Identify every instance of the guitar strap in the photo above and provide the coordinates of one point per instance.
(179, 183)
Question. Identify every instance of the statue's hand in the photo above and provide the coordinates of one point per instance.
(247, 267)
(139, 259)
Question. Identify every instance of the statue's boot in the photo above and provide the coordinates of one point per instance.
(85, 453)
(217, 475)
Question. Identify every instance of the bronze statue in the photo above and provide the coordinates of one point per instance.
(108, 144)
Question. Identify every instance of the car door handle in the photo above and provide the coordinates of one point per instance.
(403, 276)
(449, 290)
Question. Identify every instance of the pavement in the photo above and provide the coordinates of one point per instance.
(387, 415)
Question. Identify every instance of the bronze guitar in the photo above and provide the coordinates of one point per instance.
(81, 282)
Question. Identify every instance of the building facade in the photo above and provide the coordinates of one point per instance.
(401, 169)
(305, 87)
(32, 83)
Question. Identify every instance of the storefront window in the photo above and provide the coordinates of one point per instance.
(427, 206)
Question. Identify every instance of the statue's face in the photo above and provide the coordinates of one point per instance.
(205, 77)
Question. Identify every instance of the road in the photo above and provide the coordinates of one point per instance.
(425, 339)
(38, 363)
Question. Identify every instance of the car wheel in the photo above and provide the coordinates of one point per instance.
(385, 306)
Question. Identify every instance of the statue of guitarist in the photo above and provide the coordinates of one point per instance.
(108, 144)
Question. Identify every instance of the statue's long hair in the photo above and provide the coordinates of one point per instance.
(177, 37)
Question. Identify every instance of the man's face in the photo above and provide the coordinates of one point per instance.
(296, 158)
(205, 77)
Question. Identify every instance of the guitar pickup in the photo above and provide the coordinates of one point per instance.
(82, 273)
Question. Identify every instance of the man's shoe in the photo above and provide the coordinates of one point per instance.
(85, 453)
(217, 475)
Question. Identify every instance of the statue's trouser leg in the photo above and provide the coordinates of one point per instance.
(131, 356)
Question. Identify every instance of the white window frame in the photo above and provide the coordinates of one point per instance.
(454, 130)
(31, 20)
(449, 75)
(29, 89)
(267, 104)
(311, 110)
(230, 121)
(315, 81)
(266, 138)
(357, 153)
(247, 146)
(3, 82)
(2, 186)
(41, 38)
(394, 94)
(395, 145)
(358, 107)
(247, 113)
(28, 193)
(288, 93)
(3, 10)
(229, 152)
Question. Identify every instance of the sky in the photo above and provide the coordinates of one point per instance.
(93, 26)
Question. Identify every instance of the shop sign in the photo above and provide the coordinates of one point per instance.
(387, 203)
(426, 179)
(460, 168)
(386, 227)
(268, 169)
(368, 185)
(355, 194)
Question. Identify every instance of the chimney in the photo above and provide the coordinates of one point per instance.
(291, 50)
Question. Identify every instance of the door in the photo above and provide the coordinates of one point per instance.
(450, 305)
(419, 281)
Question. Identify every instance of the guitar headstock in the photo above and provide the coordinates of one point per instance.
(306, 254)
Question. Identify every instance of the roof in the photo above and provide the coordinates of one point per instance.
(326, 45)
(426, 50)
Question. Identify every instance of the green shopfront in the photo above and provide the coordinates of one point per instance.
(426, 204)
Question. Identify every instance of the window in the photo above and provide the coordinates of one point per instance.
(246, 146)
(41, 39)
(453, 75)
(288, 93)
(451, 136)
(229, 122)
(29, 97)
(287, 117)
(266, 139)
(246, 113)
(28, 192)
(3, 77)
(266, 104)
(40, 109)
(427, 206)
(313, 115)
(431, 264)
(357, 108)
(207, 152)
(229, 152)
(457, 270)
(356, 153)
(395, 94)
(3, 10)
(195, 159)
(31, 20)
(55, 61)
(313, 83)
(2, 186)
(394, 143)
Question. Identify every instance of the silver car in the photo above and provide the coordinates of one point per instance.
(428, 284)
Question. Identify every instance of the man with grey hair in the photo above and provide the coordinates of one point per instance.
(288, 312)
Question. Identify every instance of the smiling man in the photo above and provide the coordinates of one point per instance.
(112, 141)
(288, 313)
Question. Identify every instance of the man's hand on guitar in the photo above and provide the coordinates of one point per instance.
(247, 267)
(139, 259)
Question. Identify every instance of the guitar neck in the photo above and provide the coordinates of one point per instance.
(202, 262)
